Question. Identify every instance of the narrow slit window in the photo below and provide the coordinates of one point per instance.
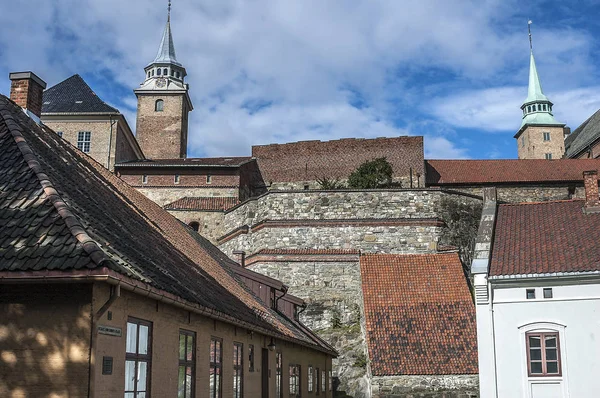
(176, 179)
(208, 179)
(144, 179)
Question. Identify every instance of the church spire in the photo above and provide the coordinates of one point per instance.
(166, 49)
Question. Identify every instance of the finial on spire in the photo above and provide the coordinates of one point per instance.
(529, 29)
(169, 12)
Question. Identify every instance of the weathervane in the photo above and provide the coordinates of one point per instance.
(529, 28)
(169, 12)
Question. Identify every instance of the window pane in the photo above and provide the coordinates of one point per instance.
(535, 354)
(212, 351)
(552, 367)
(181, 346)
(188, 382)
(129, 395)
(190, 348)
(141, 395)
(536, 367)
(550, 341)
(129, 375)
(143, 348)
(534, 341)
(218, 351)
(181, 383)
(551, 354)
(142, 370)
(131, 337)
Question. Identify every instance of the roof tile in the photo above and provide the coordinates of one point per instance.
(213, 203)
(73, 95)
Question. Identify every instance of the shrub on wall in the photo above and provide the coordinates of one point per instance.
(376, 173)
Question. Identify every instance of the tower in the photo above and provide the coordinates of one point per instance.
(163, 103)
(540, 135)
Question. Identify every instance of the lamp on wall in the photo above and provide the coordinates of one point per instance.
(271, 345)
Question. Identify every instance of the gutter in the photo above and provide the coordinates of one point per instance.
(141, 288)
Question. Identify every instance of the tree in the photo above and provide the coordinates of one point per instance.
(330, 183)
(376, 173)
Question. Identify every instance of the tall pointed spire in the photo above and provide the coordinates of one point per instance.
(166, 49)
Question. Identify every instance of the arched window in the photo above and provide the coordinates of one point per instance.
(152, 72)
(534, 108)
(529, 109)
(159, 105)
(165, 72)
(195, 226)
(178, 74)
(158, 71)
(148, 73)
(172, 72)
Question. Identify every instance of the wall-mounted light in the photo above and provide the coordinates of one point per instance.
(271, 345)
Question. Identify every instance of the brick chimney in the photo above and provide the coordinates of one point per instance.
(26, 90)
(592, 202)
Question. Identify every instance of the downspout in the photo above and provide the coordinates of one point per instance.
(284, 290)
(110, 141)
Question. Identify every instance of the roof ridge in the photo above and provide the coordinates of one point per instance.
(89, 245)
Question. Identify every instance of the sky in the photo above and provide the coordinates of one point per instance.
(273, 71)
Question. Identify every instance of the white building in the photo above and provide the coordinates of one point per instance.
(537, 286)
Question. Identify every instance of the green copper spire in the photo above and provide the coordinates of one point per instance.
(537, 108)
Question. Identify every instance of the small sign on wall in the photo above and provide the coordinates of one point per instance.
(110, 330)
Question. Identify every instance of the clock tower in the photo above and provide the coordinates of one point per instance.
(163, 104)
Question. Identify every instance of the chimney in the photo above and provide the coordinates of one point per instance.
(26, 90)
(592, 202)
(241, 257)
(566, 131)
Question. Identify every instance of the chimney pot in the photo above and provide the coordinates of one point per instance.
(26, 90)
(592, 201)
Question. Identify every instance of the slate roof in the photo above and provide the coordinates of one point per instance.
(583, 136)
(188, 162)
(420, 316)
(546, 237)
(469, 172)
(61, 211)
(203, 203)
(73, 95)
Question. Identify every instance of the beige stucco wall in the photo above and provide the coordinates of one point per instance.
(534, 146)
(167, 321)
(44, 340)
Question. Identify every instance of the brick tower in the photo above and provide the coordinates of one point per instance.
(540, 135)
(163, 104)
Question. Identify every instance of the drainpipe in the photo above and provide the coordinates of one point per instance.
(284, 290)
(115, 293)
(110, 140)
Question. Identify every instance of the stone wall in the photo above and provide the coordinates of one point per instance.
(210, 221)
(452, 386)
(531, 143)
(532, 193)
(333, 294)
(165, 195)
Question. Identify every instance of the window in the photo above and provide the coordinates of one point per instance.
(148, 73)
(165, 72)
(84, 139)
(158, 71)
(251, 357)
(176, 179)
(138, 355)
(238, 370)
(545, 107)
(546, 136)
(177, 73)
(159, 105)
(216, 367)
(543, 354)
(311, 378)
(330, 380)
(59, 133)
(145, 179)
(534, 108)
(317, 382)
(172, 72)
(208, 179)
(295, 380)
(187, 364)
(523, 141)
(547, 292)
(530, 294)
(152, 72)
(306, 187)
(548, 156)
(278, 375)
(195, 225)
(529, 109)
(323, 373)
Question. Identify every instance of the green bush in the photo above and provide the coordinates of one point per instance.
(376, 173)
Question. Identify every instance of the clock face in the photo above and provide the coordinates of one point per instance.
(161, 82)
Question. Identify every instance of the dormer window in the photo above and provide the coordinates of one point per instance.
(159, 105)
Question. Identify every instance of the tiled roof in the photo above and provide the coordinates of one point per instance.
(442, 172)
(188, 162)
(547, 237)
(312, 160)
(202, 203)
(583, 136)
(73, 95)
(420, 316)
(63, 212)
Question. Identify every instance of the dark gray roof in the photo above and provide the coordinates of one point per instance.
(62, 212)
(73, 95)
(583, 136)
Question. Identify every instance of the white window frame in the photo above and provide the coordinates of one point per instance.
(84, 141)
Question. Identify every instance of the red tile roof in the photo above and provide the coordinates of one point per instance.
(545, 237)
(312, 160)
(202, 203)
(420, 316)
(442, 172)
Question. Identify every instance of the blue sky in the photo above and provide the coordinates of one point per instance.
(265, 71)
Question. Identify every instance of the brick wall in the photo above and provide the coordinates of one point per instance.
(307, 161)
(187, 178)
(27, 93)
(44, 340)
(531, 144)
(167, 321)
(162, 135)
